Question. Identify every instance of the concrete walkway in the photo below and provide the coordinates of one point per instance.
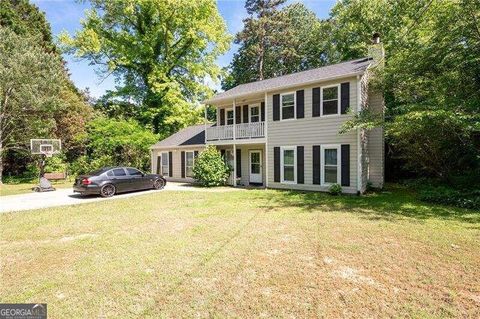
(66, 196)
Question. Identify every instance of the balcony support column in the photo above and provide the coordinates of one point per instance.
(234, 119)
(234, 165)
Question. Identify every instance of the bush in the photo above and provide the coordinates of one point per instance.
(56, 163)
(335, 189)
(210, 168)
(448, 196)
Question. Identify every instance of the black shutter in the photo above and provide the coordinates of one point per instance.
(345, 97)
(238, 115)
(159, 163)
(315, 102)
(222, 152)
(300, 104)
(262, 111)
(245, 114)
(276, 164)
(300, 165)
(276, 107)
(345, 164)
(195, 154)
(170, 164)
(222, 116)
(316, 164)
(183, 164)
(239, 162)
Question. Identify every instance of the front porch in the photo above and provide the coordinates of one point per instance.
(248, 162)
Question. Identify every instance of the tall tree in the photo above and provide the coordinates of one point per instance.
(30, 84)
(160, 51)
(277, 41)
(26, 20)
(431, 79)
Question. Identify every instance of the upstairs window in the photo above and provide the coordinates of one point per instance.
(254, 114)
(330, 100)
(189, 160)
(287, 108)
(230, 117)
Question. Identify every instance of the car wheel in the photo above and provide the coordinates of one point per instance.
(159, 184)
(107, 190)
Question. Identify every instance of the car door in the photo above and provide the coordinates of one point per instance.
(136, 179)
(120, 179)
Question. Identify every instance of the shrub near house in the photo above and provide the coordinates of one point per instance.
(210, 168)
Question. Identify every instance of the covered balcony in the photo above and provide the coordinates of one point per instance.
(236, 131)
(243, 123)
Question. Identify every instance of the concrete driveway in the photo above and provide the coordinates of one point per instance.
(66, 196)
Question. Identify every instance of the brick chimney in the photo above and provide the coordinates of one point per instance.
(376, 51)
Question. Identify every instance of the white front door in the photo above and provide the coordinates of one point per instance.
(255, 167)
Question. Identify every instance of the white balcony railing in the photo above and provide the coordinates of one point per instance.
(242, 131)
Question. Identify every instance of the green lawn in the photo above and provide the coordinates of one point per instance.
(252, 253)
(21, 188)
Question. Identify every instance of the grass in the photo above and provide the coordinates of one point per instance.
(252, 253)
(26, 187)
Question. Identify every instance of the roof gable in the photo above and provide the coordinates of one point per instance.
(192, 135)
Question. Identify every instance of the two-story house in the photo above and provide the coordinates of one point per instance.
(283, 132)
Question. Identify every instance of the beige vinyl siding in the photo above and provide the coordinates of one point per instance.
(176, 160)
(311, 131)
(376, 144)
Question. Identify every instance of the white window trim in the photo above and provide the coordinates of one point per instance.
(161, 164)
(322, 161)
(338, 100)
(226, 116)
(282, 149)
(193, 158)
(250, 107)
(294, 106)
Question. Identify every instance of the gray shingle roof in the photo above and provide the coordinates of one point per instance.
(192, 135)
(353, 67)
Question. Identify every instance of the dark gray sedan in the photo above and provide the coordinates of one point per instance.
(109, 181)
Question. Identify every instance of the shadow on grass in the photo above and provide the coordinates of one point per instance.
(395, 202)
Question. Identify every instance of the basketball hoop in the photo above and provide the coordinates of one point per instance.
(46, 147)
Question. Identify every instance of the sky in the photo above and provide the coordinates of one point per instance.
(65, 15)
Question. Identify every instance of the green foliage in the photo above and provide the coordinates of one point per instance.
(24, 18)
(335, 189)
(161, 52)
(430, 80)
(448, 196)
(210, 168)
(277, 41)
(112, 142)
(55, 164)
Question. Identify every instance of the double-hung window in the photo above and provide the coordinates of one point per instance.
(229, 116)
(330, 100)
(330, 159)
(189, 160)
(287, 104)
(165, 164)
(288, 164)
(254, 114)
